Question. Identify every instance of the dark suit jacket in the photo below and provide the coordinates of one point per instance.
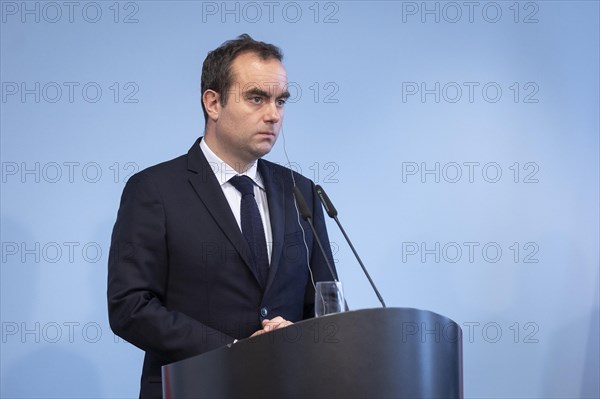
(180, 281)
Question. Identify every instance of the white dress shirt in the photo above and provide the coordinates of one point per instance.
(224, 172)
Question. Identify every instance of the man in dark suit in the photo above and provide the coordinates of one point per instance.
(184, 276)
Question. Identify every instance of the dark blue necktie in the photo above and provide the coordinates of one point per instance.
(252, 227)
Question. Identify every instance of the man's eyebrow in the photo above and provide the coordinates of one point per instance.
(255, 91)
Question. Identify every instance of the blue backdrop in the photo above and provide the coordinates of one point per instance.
(458, 140)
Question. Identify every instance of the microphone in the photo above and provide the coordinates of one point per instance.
(332, 212)
(305, 213)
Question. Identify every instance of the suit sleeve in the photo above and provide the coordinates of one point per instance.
(318, 263)
(137, 279)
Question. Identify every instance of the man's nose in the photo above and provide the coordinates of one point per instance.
(272, 113)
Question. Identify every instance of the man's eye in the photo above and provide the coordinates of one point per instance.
(256, 99)
(281, 102)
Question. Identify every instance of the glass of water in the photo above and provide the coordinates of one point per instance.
(329, 298)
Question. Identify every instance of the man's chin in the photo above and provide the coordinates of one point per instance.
(262, 150)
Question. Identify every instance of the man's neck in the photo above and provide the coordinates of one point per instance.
(236, 164)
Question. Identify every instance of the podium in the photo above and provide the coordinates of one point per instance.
(369, 353)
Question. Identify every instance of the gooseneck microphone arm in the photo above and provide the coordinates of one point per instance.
(332, 212)
(305, 213)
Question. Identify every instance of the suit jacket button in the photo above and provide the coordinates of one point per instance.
(264, 312)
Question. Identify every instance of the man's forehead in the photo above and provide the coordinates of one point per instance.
(251, 65)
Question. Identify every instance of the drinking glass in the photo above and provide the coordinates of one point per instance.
(329, 298)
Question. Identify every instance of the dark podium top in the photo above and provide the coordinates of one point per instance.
(370, 353)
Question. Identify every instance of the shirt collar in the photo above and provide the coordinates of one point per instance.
(223, 172)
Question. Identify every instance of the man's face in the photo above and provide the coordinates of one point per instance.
(248, 125)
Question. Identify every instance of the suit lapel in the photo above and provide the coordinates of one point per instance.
(207, 187)
(276, 199)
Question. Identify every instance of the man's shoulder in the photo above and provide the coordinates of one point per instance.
(166, 167)
(175, 164)
(164, 171)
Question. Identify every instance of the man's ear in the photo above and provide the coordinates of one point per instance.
(211, 101)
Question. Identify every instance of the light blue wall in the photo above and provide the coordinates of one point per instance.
(361, 125)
